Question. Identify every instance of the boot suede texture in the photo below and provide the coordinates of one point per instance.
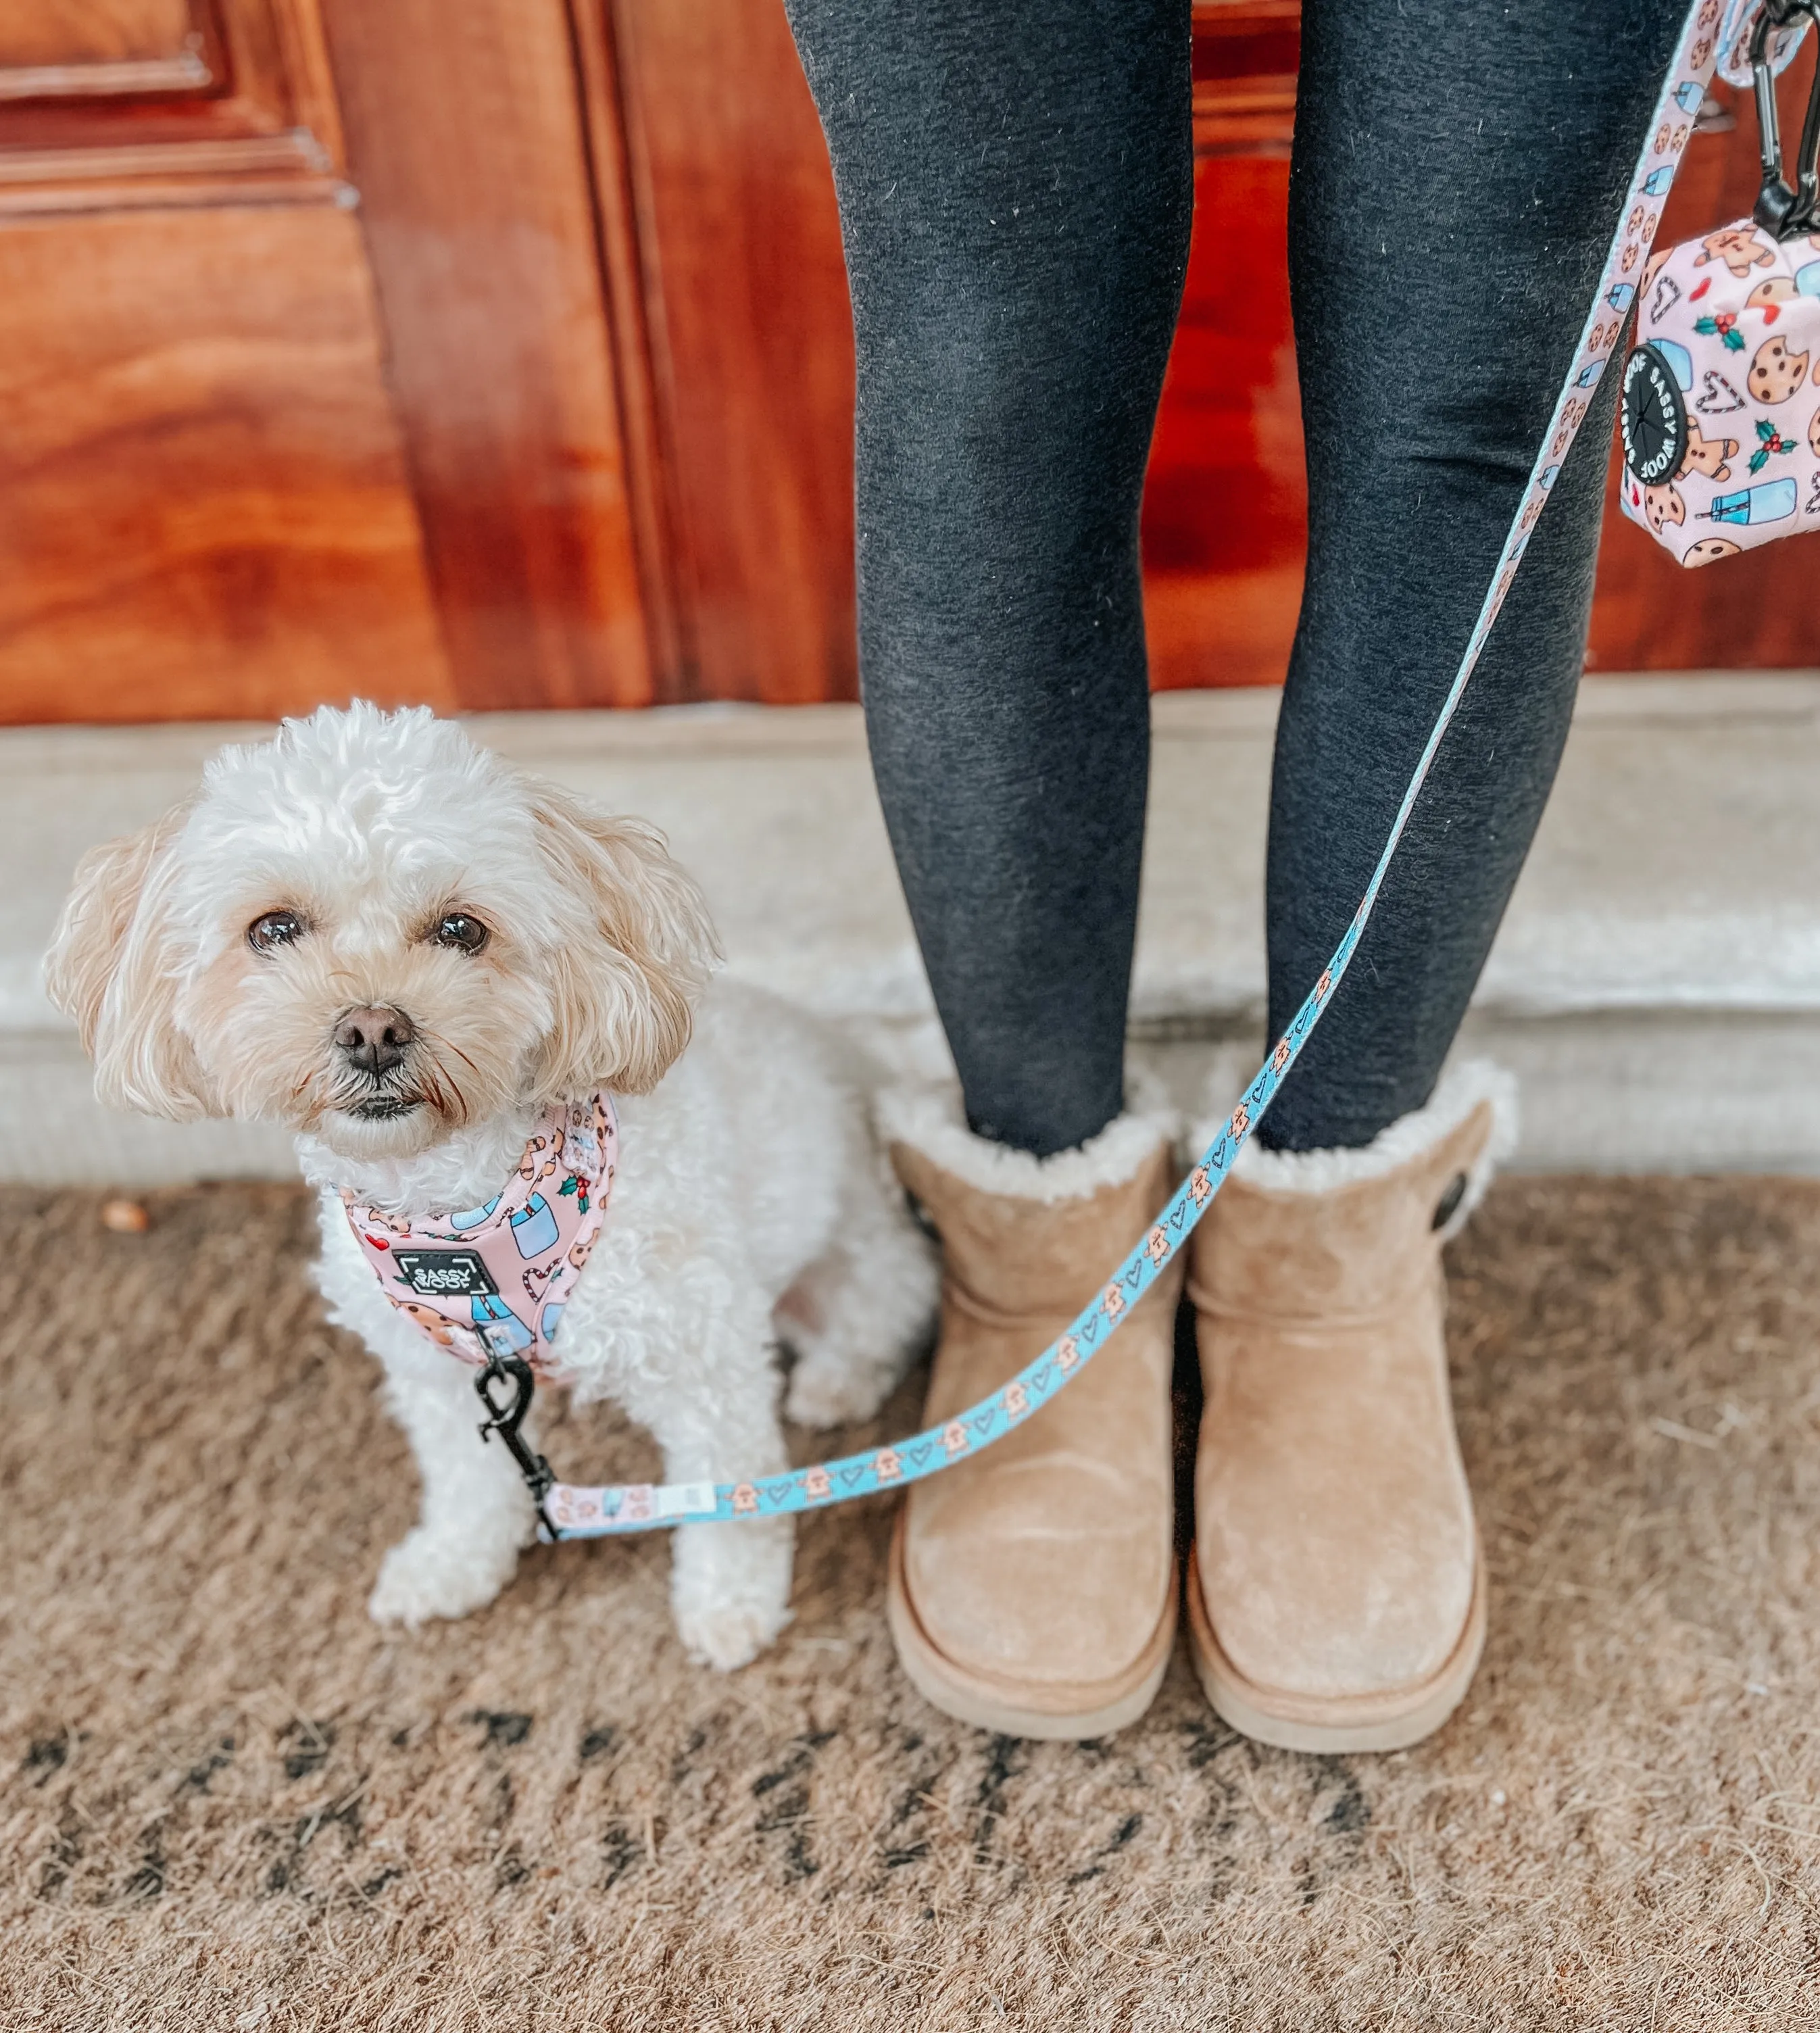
(1033, 1590)
(1337, 1598)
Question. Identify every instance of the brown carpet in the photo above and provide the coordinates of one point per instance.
(228, 1801)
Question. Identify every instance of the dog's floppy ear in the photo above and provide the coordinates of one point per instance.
(111, 966)
(626, 994)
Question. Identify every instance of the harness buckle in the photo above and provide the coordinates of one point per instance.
(505, 1415)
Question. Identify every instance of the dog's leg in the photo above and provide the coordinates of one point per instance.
(477, 1513)
(730, 1587)
(856, 1317)
(695, 1367)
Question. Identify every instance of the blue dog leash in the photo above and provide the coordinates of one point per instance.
(568, 1510)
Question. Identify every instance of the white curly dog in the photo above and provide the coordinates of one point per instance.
(519, 949)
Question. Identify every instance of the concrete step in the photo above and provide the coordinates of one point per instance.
(1656, 984)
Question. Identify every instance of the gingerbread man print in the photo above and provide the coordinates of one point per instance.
(1707, 455)
(1739, 249)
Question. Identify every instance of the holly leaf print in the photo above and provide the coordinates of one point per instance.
(571, 1183)
(1730, 337)
(1768, 439)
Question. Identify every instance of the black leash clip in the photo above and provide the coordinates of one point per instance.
(505, 1415)
(1782, 209)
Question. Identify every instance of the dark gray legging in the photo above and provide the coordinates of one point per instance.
(1015, 181)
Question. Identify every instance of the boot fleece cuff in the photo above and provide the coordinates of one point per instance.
(1462, 1089)
(931, 1121)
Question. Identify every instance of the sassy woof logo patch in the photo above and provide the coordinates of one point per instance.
(444, 1274)
(1653, 418)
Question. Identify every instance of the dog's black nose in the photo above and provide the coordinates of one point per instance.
(374, 1038)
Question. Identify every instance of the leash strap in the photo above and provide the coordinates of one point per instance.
(571, 1511)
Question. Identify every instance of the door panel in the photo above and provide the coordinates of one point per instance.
(204, 507)
(203, 510)
(161, 102)
(464, 130)
(751, 345)
(51, 49)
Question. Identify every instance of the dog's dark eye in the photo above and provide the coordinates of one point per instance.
(459, 929)
(274, 929)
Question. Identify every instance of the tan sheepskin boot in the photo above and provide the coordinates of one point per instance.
(1336, 1595)
(1033, 1590)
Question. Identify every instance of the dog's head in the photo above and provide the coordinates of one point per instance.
(370, 930)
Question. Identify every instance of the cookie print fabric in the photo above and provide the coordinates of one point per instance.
(494, 1279)
(1720, 414)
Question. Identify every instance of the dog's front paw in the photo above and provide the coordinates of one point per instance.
(730, 1588)
(730, 1638)
(827, 1390)
(427, 1574)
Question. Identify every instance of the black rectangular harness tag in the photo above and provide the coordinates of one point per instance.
(444, 1274)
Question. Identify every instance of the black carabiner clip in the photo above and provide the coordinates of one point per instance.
(1783, 210)
(504, 1417)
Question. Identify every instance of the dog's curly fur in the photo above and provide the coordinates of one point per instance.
(753, 1203)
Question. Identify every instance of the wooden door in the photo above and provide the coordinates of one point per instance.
(495, 353)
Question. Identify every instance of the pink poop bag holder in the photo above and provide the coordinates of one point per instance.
(1720, 409)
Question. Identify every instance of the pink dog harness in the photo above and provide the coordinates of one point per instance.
(490, 1284)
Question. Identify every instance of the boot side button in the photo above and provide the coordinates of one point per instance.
(1448, 1205)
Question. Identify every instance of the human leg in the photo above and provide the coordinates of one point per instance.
(1016, 185)
(1459, 171)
